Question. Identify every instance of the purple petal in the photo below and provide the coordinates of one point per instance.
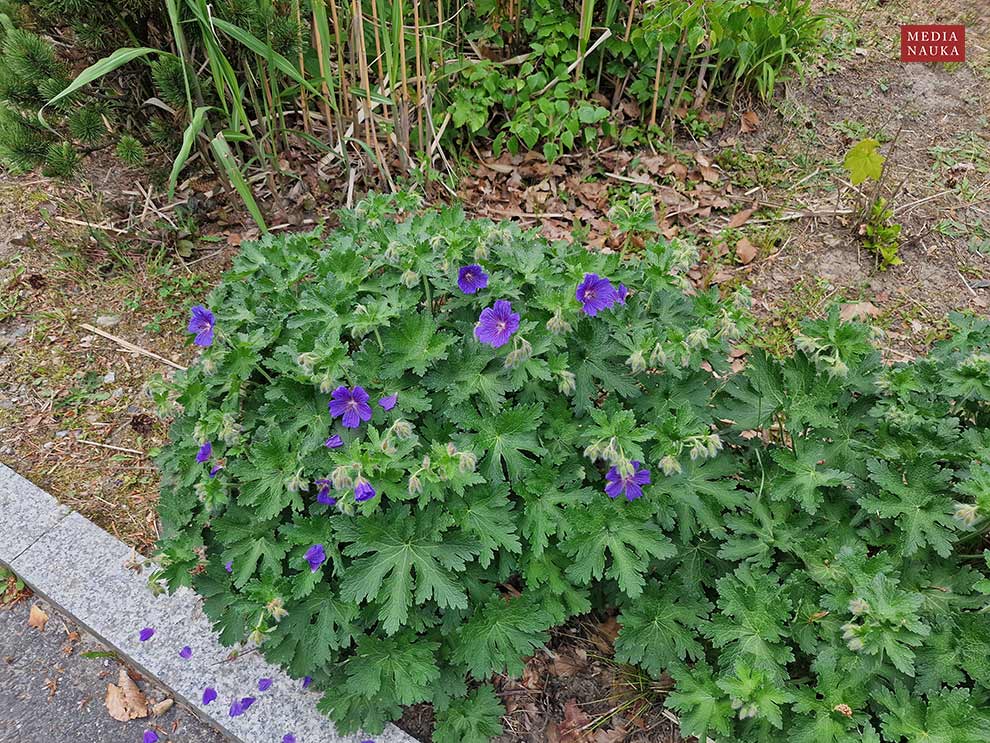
(229, 566)
(288, 738)
(351, 419)
(150, 736)
(264, 684)
(239, 707)
(613, 489)
(363, 491)
(388, 403)
(315, 556)
(333, 442)
(214, 469)
(201, 323)
(146, 634)
(204, 453)
(209, 694)
(185, 653)
(307, 680)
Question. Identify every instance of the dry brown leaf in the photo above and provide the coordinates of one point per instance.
(749, 122)
(162, 707)
(858, 311)
(572, 728)
(125, 701)
(612, 735)
(745, 251)
(37, 618)
(740, 218)
(569, 661)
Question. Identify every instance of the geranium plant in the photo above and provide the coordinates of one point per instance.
(415, 444)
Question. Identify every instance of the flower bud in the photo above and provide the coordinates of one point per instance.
(567, 383)
(387, 446)
(410, 278)
(481, 252)
(593, 451)
(557, 324)
(670, 466)
(276, 609)
(451, 449)
(466, 462)
(403, 429)
(415, 486)
(341, 478)
(698, 450)
(697, 338)
(426, 462)
(858, 606)
(306, 361)
(636, 362)
(296, 483)
(658, 357)
(967, 514)
(257, 636)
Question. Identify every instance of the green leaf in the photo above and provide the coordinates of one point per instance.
(486, 514)
(661, 627)
(196, 124)
(312, 633)
(505, 437)
(622, 531)
(704, 708)
(863, 161)
(407, 558)
(500, 634)
(476, 718)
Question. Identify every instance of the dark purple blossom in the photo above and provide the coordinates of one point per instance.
(631, 484)
(214, 469)
(363, 490)
(146, 634)
(595, 294)
(334, 442)
(150, 736)
(323, 496)
(497, 324)
(185, 653)
(209, 694)
(264, 684)
(229, 566)
(472, 278)
(316, 556)
(201, 323)
(351, 406)
(621, 293)
(240, 706)
(388, 403)
(307, 680)
(288, 738)
(204, 453)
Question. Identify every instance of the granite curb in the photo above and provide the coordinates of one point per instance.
(103, 584)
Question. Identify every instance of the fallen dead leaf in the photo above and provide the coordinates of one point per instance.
(749, 122)
(858, 311)
(125, 701)
(569, 661)
(160, 708)
(572, 728)
(745, 251)
(37, 618)
(740, 218)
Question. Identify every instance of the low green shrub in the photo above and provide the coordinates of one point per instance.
(417, 443)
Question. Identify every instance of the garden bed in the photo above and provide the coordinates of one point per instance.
(76, 416)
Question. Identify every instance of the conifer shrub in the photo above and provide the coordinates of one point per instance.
(415, 444)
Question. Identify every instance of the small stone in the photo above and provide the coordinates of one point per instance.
(61, 434)
(109, 378)
(107, 321)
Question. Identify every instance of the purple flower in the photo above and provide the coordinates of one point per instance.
(497, 324)
(209, 694)
(307, 680)
(264, 684)
(229, 566)
(201, 323)
(363, 490)
(240, 706)
(622, 293)
(388, 403)
(334, 442)
(596, 294)
(323, 496)
(150, 736)
(185, 653)
(472, 278)
(214, 469)
(204, 453)
(351, 406)
(630, 484)
(146, 634)
(288, 738)
(315, 556)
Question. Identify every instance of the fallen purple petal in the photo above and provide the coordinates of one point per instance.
(185, 653)
(307, 680)
(146, 634)
(209, 694)
(264, 684)
(288, 738)
(388, 403)
(239, 707)
(150, 736)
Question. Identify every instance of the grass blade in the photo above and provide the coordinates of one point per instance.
(226, 158)
(188, 139)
